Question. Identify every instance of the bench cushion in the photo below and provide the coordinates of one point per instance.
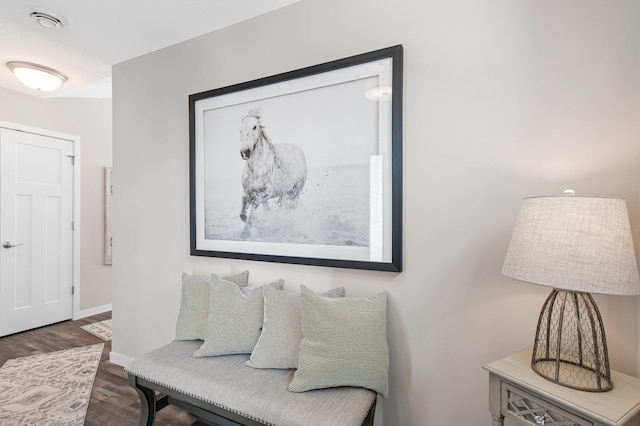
(257, 394)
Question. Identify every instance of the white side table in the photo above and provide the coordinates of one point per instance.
(520, 394)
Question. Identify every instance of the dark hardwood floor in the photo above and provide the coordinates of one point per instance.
(113, 401)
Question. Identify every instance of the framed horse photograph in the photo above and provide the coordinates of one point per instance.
(302, 167)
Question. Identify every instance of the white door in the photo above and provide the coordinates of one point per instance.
(36, 230)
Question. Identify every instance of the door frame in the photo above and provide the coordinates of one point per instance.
(75, 300)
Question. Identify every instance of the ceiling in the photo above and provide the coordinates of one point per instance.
(98, 34)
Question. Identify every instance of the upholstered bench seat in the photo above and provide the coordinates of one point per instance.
(224, 390)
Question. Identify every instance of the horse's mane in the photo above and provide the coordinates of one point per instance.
(264, 133)
(256, 113)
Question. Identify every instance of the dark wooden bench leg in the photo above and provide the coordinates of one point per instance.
(148, 403)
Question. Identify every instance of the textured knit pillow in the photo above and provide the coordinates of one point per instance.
(235, 318)
(279, 342)
(344, 343)
(194, 304)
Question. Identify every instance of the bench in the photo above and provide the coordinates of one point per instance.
(223, 391)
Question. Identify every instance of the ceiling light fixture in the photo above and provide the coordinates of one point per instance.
(36, 76)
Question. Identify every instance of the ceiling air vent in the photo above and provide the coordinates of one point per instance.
(47, 20)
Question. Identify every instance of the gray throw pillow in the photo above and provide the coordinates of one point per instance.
(279, 342)
(235, 318)
(194, 304)
(344, 343)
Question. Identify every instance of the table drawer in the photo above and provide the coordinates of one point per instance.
(527, 409)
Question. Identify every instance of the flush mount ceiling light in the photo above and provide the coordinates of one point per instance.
(36, 76)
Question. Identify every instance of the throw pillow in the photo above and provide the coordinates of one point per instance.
(344, 343)
(194, 304)
(279, 342)
(235, 318)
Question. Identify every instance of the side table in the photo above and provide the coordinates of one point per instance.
(520, 394)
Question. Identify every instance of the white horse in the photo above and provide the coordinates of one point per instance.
(271, 170)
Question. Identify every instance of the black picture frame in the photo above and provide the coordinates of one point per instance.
(340, 202)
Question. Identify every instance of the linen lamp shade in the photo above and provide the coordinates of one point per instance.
(574, 243)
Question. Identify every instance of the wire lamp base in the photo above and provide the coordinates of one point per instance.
(570, 348)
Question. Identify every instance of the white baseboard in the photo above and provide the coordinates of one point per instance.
(93, 311)
(119, 359)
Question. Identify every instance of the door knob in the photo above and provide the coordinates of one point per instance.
(7, 244)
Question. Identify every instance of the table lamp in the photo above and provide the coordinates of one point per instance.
(577, 245)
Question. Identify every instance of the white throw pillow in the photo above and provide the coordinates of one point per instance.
(235, 318)
(344, 343)
(194, 304)
(279, 342)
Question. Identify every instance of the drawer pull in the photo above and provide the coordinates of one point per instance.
(541, 419)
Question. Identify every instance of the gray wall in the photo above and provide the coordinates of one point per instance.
(503, 99)
(90, 119)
